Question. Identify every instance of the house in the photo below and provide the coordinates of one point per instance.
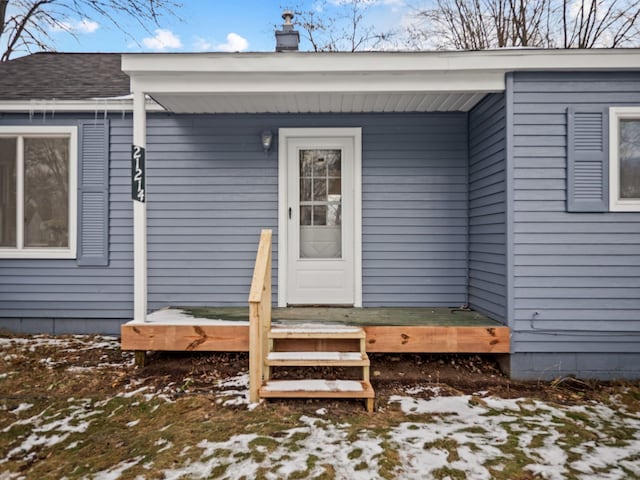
(505, 180)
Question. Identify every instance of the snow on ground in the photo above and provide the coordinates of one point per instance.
(50, 428)
(475, 435)
(67, 343)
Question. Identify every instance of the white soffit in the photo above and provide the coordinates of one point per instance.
(305, 82)
(319, 102)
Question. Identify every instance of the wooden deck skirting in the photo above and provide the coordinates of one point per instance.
(380, 338)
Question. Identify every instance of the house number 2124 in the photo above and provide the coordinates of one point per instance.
(137, 173)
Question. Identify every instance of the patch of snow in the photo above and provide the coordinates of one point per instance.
(175, 316)
(164, 443)
(313, 385)
(47, 432)
(415, 390)
(330, 444)
(458, 406)
(133, 393)
(66, 344)
(321, 411)
(239, 381)
(115, 472)
(133, 423)
(21, 408)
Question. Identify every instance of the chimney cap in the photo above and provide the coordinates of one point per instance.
(287, 16)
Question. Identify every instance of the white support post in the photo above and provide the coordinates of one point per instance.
(139, 217)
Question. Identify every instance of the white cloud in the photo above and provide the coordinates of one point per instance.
(235, 43)
(76, 26)
(201, 45)
(86, 26)
(163, 40)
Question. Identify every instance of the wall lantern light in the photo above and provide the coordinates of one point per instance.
(266, 137)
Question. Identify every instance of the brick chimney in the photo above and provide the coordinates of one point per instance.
(287, 39)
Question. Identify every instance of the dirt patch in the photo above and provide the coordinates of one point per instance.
(390, 374)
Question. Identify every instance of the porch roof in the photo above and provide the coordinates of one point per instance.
(311, 82)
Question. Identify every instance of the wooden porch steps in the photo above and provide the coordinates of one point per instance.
(317, 388)
(323, 332)
(311, 359)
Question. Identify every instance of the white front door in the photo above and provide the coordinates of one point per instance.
(320, 217)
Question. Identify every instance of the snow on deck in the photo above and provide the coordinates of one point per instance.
(176, 316)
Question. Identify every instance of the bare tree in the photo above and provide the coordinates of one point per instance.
(339, 26)
(481, 24)
(600, 23)
(27, 25)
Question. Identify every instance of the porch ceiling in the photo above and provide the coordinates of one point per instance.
(314, 102)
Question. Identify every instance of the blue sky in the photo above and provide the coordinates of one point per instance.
(206, 25)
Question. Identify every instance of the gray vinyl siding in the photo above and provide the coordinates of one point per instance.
(576, 276)
(211, 189)
(487, 207)
(35, 294)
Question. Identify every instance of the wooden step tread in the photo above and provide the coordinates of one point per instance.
(302, 359)
(316, 331)
(317, 388)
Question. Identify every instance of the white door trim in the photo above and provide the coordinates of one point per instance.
(284, 134)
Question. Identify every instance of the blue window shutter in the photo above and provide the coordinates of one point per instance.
(93, 193)
(588, 159)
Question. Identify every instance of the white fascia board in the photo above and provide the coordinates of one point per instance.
(101, 105)
(361, 82)
(297, 62)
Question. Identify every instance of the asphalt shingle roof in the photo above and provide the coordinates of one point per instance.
(63, 76)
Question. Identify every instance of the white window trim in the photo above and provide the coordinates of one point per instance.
(20, 251)
(616, 204)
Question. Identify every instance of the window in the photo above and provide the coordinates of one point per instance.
(624, 159)
(38, 192)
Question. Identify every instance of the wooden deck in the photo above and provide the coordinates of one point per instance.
(402, 330)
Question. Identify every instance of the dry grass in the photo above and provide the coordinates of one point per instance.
(70, 410)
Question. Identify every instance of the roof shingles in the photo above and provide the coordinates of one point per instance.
(63, 76)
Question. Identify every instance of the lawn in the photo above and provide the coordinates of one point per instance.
(77, 407)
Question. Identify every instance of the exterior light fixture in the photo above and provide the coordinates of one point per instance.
(266, 137)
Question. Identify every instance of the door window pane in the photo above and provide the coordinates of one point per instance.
(335, 187)
(46, 192)
(320, 189)
(8, 192)
(320, 215)
(305, 215)
(305, 189)
(320, 203)
(630, 159)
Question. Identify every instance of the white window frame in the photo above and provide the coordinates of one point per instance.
(616, 204)
(20, 251)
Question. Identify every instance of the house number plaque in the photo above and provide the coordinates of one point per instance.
(138, 173)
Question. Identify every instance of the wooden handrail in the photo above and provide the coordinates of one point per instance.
(259, 315)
